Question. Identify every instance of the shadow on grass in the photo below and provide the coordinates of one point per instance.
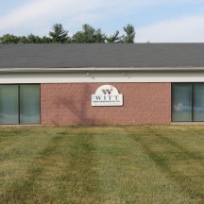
(164, 162)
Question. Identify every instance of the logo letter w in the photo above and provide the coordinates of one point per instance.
(98, 97)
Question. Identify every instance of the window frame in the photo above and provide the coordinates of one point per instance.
(192, 102)
(19, 109)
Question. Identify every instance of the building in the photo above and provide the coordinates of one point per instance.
(101, 84)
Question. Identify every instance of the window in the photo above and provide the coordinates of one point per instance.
(187, 102)
(20, 104)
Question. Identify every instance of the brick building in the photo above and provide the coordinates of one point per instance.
(101, 84)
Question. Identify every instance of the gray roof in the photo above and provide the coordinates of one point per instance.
(102, 55)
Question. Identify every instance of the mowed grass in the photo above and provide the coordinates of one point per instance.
(125, 164)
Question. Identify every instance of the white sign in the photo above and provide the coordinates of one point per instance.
(106, 95)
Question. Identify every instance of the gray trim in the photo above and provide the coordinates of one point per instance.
(124, 69)
(187, 123)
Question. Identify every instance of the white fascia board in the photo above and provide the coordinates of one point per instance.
(104, 77)
(107, 69)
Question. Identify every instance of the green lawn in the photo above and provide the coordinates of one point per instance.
(125, 164)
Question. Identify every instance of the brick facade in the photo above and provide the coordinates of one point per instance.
(70, 104)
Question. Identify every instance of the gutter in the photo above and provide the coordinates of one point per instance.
(122, 69)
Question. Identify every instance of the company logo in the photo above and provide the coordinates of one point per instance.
(107, 91)
(107, 95)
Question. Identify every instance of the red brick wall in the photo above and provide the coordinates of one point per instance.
(70, 104)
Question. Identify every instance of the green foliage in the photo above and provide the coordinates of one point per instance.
(113, 38)
(23, 40)
(9, 39)
(58, 35)
(34, 39)
(88, 34)
(99, 36)
(12, 39)
(46, 39)
(130, 34)
(78, 37)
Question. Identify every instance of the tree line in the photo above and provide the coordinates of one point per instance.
(88, 34)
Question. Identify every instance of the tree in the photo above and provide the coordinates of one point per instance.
(34, 39)
(113, 38)
(46, 39)
(130, 34)
(9, 39)
(99, 36)
(88, 35)
(58, 35)
(23, 40)
(78, 37)
(84, 36)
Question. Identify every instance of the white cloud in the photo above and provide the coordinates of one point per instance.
(185, 29)
(39, 13)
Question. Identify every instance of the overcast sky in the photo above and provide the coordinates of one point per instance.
(154, 20)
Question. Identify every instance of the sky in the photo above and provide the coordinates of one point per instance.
(154, 20)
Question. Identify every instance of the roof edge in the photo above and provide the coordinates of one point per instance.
(101, 69)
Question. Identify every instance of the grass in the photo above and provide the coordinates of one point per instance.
(130, 164)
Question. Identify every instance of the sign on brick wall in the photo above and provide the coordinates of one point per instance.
(106, 95)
